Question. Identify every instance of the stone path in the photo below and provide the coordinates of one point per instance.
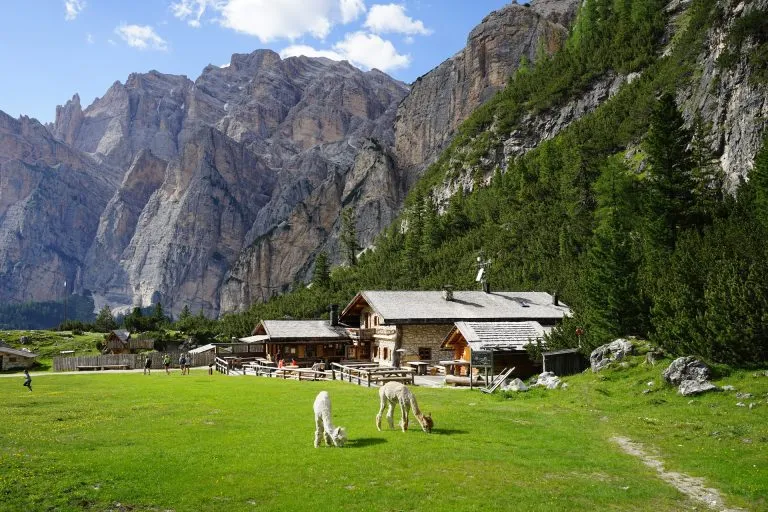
(691, 486)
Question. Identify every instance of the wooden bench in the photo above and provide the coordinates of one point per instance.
(88, 368)
(115, 367)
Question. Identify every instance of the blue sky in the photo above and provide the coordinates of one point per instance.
(51, 49)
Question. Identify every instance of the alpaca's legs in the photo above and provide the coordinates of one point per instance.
(390, 415)
(404, 412)
(318, 430)
(381, 410)
(329, 441)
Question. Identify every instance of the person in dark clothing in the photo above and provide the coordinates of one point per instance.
(148, 365)
(28, 380)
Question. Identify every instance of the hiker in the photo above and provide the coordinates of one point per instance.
(167, 363)
(148, 365)
(183, 364)
(28, 380)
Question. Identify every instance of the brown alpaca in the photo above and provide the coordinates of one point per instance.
(396, 393)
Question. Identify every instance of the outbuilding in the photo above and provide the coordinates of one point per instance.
(14, 359)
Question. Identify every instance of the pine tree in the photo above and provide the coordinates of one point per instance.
(670, 202)
(348, 237)
(105, 322)
(758, 183)
(414, 236)
(321, 276)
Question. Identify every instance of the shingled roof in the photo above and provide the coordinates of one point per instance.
(301, 330)
(5, 349)
(429, 307)
(496, 335)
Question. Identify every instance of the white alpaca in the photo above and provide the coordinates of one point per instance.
(334, 436)
(393, 393)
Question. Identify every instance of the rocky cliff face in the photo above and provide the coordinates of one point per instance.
(443, 98)
(51, 196)
(173, 178)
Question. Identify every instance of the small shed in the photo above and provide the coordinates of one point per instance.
(116, 342)
(14, 359)
(507, 341)
(564, 362)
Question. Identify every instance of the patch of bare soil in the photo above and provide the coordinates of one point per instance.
(691, 486)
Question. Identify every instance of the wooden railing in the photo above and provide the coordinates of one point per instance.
(368, 373)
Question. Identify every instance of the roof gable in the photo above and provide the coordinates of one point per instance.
(495, 335)
(296, 330)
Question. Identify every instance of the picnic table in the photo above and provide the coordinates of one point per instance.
(421, 366)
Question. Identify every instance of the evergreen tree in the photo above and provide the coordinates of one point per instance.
(414, 237)
(105, 322)
(670, 200)
(348, 237)
(321, 276)
(185, 313)
(758, 184)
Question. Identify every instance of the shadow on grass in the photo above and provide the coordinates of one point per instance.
(448, 431)
(365, 442)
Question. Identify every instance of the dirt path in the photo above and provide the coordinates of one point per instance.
(692, 487)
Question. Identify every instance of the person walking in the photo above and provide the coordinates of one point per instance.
(28, 380)
(183, 364)
(167, 363)
(148, 365)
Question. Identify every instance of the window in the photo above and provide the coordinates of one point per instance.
(375, 320)
(425, 354)
(386, 353)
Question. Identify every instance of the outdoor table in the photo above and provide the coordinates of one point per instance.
(421, 366)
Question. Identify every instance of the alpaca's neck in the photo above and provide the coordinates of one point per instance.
(415, 405)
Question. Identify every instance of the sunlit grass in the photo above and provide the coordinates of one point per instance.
(200, 442)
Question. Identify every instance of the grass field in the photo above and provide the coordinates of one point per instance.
(200, 442)
(49, 344)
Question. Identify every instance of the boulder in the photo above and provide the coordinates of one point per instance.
(686, 368)
(695, 387)
(547, 379)
(515, 385)
(614, 351)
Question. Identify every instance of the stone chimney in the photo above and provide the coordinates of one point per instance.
(334, 308)
(448, 292)
(555, 299)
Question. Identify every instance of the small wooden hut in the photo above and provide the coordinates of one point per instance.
(306, 341)
(507, 341)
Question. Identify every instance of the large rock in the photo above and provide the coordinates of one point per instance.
(695, 387)
(686, 369)
(548, 380)
(606, 354)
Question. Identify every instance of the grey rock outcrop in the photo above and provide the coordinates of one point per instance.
(695, 387)
(686, 368)
(604, 355)
(443, 98)
(515, 385)
(734, 104)
(548, 380)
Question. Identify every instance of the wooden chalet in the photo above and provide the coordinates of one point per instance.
(306, 341)
(120, 342)
(402, 326)
(14, 359)
(505, 340)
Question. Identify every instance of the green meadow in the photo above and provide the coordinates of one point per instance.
(195, 443)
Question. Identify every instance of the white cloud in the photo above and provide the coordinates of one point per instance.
(89, 38)
(308, 51)
(371, 51)
(141, 37)
(73, 8)
(270, 20)
(279, 19)
(364, 50)
(391, 18)
(193, 10)
(351, 9)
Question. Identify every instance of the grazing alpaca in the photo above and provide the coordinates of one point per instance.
(334, 436)
(396, 392)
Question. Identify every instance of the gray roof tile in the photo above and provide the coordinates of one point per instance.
(430, 307)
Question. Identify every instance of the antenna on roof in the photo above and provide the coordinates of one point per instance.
(482, 271)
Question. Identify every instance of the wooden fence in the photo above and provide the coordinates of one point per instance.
(70, 364)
